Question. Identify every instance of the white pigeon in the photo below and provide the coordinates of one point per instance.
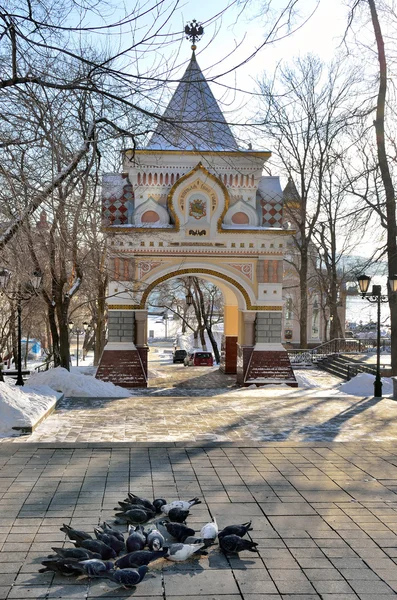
(183, 504)
(181, 552)
(209, 531)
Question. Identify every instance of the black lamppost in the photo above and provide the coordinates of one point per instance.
(77, 332)
(35, 283)
(375, 297)
(189, 295)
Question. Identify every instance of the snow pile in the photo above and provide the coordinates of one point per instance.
(363, 385)
(23, 406)
(76, 385)
(305, 381)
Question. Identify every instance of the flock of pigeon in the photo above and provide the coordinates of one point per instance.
(124, 560)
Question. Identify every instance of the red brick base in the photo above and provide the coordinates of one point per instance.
(123, 367)
(261, 367)
(229, 355)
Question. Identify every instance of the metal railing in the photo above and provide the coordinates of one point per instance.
(45, 366)
(308, 356)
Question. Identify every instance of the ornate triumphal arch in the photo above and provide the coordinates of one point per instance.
(193, 203)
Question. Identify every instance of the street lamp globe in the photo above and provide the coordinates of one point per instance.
(4, 278)
(393, 283)
(363, 283)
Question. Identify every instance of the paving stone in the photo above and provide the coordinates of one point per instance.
(204, 582)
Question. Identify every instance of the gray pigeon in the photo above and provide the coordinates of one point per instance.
(75, 535)
(191, 539)
(239, 530)
(93, 567)
(232, 544)
(104, 550)
(63, 566)
(77, 553)
(137, 559)
(127, 577)
(183, 504)
(155, 540)
(181, 552)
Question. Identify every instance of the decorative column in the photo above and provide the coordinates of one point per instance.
(229, 340)
(121, 361)
(246, 344)
(141, 337)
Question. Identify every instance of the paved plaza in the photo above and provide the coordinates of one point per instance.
(324, 516)
(315, 472)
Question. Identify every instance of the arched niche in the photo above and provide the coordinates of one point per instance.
(241, 213)
(150, 213)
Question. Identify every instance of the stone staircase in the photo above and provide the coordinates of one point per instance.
(343, 366)
(123, 368)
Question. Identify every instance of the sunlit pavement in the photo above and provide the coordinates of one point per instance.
(324, 513)
(324, 517)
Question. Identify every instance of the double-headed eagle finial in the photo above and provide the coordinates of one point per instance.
(194, 31)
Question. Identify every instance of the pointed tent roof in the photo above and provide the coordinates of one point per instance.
(291, 195)
(193, 119)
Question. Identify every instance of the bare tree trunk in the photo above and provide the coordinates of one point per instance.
(303, 299)
(386, 178)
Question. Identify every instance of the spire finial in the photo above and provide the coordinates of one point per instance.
(194, 30)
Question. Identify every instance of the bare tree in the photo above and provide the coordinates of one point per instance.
(387, 209)
(307, 109)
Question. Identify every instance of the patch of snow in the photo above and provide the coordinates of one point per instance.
(23, 406)
(306, 381)
(363, 385)
(76, 385)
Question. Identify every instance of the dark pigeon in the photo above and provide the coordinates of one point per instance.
(75, 534)
(127, 577)
(136, 539)
(232, 544)
(110, 540)
(137, 559)
(93, 567)
(110, 530)
(178, 515)
(158, 503)
(141, 501)
(239, 530)
(135, 515)
(104, 550)
(63, 566)
(77, 553)
(178, 531)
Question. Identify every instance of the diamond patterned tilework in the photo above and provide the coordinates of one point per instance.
(117, 199)
(272, 213)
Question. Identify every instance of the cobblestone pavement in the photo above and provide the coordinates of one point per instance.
(179, 407)
(324, 516)
(229, 416)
